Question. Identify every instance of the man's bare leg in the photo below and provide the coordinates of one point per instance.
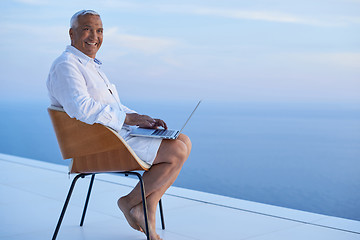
(153, 199)
(136, 216)
(152, 202)
(167, 165)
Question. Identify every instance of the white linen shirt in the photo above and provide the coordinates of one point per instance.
(76, 83)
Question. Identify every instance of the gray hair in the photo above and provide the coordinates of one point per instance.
(74, 18)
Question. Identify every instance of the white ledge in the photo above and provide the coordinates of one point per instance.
(32, 194)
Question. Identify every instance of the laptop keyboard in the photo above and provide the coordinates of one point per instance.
(163, 132)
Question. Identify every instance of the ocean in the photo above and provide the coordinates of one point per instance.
(300, 156)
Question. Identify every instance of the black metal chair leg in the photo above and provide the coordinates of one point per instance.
(144, 206)
(161, 215)
(144, 203)
(66, 204)
(87, 200)
(82, 175)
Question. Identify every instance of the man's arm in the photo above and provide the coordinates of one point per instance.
(68, 86)
(144, 121)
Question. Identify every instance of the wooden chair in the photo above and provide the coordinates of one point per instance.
(95, 149)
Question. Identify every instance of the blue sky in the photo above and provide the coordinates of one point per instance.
(261, 51)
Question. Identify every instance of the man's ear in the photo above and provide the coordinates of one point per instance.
(71, 33)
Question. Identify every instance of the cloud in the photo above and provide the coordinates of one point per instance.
(144, 44)
(33, 2)
(38, 32)
(269, 16)
(250, 15)
(320, 19)
(339, 59)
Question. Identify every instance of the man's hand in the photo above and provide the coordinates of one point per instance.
(144, 121)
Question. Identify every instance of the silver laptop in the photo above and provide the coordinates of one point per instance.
(160, 133)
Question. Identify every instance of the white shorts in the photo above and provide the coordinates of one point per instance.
(145, 148)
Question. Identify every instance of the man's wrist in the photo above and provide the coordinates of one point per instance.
(129, 119)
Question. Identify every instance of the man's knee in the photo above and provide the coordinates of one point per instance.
(185, 139)
(174, 151)
(178, 152)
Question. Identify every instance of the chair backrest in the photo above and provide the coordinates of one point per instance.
(93, 146)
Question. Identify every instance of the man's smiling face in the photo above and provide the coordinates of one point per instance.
(87, 35)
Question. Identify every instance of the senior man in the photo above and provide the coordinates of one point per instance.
(77, 83)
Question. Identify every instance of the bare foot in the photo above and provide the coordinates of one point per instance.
(126, 211)
(137, 214)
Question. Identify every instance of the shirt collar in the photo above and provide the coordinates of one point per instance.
(83, 58)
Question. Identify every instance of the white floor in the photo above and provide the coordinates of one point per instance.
(32, 194)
